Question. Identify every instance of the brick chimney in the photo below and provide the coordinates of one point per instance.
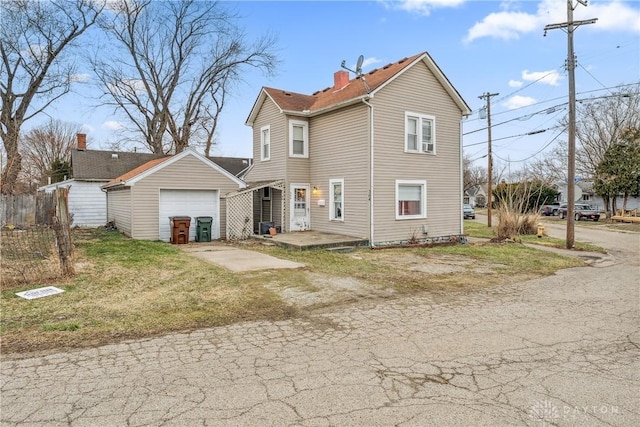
(340, 79)
(82, 141)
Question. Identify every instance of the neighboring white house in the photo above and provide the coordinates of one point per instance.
(476, 196)
(91, 169)
(584, 194)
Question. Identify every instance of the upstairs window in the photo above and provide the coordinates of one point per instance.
(298, 139)
(420, 133)
(265, 143)
(336, 200)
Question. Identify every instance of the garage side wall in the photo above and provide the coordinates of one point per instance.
(188, 173)
(119, 209)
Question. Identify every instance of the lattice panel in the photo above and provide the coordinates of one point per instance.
(240, 210)
(240, 216)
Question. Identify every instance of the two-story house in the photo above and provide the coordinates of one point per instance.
(378, 156)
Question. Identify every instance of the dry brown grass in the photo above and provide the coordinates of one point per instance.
(128, 289)
(27, 256)
(132, 289)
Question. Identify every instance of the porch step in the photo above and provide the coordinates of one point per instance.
(342, 249)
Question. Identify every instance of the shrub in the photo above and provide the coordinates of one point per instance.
(516, 210)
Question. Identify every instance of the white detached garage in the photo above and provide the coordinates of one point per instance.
(141, 201)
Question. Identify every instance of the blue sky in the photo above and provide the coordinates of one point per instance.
(481, 46)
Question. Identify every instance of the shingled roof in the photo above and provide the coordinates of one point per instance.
(136, 171)
(353, 91)
(234, 165)
(95, 165)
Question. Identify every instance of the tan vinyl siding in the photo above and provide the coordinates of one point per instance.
(297, 167)
(275, 168)
(339, 149)
(188, 173)
(416, 91)
(119, 209)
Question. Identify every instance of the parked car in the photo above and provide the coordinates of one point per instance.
(580, 211)
(550, 209)
(468, 212)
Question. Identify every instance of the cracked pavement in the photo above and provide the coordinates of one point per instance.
(561, 350)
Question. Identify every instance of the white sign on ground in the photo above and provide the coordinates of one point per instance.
(39, 292)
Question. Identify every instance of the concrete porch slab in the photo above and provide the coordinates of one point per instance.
(307, 240)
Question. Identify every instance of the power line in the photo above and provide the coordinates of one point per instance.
(610, 89)
(534, 154)
(553, 108)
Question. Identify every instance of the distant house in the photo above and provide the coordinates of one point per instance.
(141, 201)
(585, 193)
(476, 196)
(376, 157)
(91, 169)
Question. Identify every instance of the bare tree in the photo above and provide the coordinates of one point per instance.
(172, 65)
(34, 70)
(42, 146)
(601, 124)
(473, 175)
(550, 168)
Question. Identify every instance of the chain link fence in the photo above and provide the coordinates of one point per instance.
(28, 255)
(30, 240)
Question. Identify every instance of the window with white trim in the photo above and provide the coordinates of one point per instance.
(420, 133)
(336, 199)
(411, 198)
(298, 138)
(265, 143)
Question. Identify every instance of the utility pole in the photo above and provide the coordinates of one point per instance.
(570, 27)
(488, 96)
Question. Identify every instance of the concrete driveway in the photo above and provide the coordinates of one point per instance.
(235, 259)
(562, 350)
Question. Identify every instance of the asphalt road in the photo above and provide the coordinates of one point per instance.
(562, 350)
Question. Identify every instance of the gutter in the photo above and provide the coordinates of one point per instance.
(371, 146)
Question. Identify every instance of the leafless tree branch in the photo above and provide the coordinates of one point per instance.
(179, 60)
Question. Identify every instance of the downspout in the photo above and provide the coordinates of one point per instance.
(371, 217)
(461, 179)
(106, 197)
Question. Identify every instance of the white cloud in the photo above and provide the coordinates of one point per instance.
(79, 78)
(518, 101)
(87, 128)
(421, 7)
(370, 61)
(612, 16)
(112, 125)
(515, 83)
(127, 87)
(511, 24)
(552, 78)
(503, 25)
(35, 52)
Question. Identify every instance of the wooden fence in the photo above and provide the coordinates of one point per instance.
(25, 210)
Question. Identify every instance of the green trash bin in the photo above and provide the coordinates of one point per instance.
(203, 228)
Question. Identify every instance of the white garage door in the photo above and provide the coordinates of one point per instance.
(193, 203)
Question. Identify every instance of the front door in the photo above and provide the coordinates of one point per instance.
(299, 207)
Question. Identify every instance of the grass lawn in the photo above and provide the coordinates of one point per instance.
(476, 229)
(129, 289)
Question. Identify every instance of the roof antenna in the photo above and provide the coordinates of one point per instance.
(358, 71)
